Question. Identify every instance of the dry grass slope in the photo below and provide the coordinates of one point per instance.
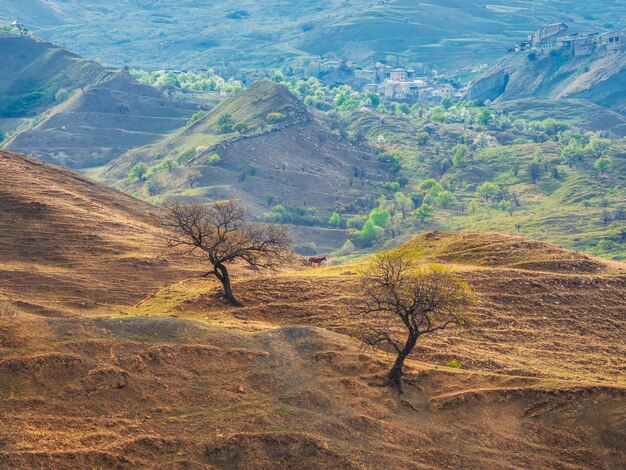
(70, 244)
(283, 382)
(170, 393)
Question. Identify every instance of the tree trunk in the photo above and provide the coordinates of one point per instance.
(222, 274)
(395, 374)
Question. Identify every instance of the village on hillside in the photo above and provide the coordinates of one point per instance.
(556, 38)
(397, 83)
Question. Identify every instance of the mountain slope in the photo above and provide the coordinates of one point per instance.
(298, 161)
(250, 107)
(580, 113)
(169, 393)
(98, 124)
(33, 71)
(269, 386)
(70, 244)
(598, 78)
(86, 114)
(442, 33)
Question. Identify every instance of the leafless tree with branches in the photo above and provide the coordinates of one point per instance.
(221, 234)
(405, 301)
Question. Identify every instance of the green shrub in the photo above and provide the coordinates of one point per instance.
(274, 118)
(370, 233)
(335, 220)
(454, 364)
(153, 186)
(357, 222)
(138, 172)
(196, 117)
(602, 165)
(380, 217)
(166, 165)
(393, 186)
(214, 159)
(293, 215)
(61, 95)
(225, 123)
(424, 212)
(240, 127)
(392, 160)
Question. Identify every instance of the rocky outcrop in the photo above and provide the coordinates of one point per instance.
(489, 86)
(599, 77)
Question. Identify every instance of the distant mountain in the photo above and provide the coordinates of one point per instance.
(207, 33)
(33, 71)
(86, 114)
(39, 12)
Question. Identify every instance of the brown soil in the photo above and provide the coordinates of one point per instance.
(68, 244)
(170, 393)
(283, 382)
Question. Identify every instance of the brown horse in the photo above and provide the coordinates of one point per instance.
(318, 261)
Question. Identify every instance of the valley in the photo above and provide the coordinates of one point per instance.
(311, 235)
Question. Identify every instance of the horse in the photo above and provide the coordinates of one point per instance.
(318, 261)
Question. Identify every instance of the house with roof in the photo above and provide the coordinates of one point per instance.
(614, 41)
(549, 34)
(368, 75)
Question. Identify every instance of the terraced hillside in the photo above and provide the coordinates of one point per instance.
(95, 126)
(572, 205)
(297, 161)
(189, 35)
(580, 113)
(33, 72)
(68, 244)
(541, 383)
(66, 110)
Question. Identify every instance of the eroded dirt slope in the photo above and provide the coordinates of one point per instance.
(171, 393)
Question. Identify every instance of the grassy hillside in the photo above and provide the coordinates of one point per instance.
(182, 379)
(66, 110)
(575, 206)
(33, 72)
(580, 113)
(442, 33)
(295, 161)
(250, 108)
(101, 121)
(68, 244)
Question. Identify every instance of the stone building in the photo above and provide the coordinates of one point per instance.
(578, 44)
(369, 75)
(549, 34)
(614, 41)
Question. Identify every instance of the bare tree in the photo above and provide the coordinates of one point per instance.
(405, 301)
(193, 177)
(221, 234)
